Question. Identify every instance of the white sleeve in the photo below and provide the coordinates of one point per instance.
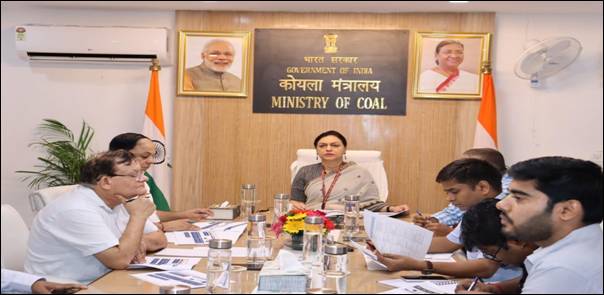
(17, 282)
(85, 231)
(455, 235)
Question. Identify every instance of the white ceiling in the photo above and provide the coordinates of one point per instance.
(332, 6)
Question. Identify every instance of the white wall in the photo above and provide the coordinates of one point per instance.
(111, 98)
(564, 116)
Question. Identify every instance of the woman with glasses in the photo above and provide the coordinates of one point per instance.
(145, 150)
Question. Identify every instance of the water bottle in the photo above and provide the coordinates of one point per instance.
(248, 199)
(281, 206)
(219, 266)
(313, 240)
(335, 268)
(351, 217)
(256, 242)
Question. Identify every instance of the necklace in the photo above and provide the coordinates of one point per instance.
(333, 183)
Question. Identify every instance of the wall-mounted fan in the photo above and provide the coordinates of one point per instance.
(546, 58)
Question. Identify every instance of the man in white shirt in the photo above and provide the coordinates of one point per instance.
(76, 236)
(556, 202)
(20, 282)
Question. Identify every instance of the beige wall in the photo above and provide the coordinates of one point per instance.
(220, 144)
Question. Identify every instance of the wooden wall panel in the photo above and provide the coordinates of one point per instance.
(220, 144)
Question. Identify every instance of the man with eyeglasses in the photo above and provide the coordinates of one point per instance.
(212, 74)
(76, 237)
(481, 229)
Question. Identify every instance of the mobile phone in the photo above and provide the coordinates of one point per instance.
(425, 277)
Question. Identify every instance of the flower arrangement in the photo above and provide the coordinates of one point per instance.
(293, 222)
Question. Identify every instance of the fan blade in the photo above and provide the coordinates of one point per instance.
(559, 47)
(532, 63)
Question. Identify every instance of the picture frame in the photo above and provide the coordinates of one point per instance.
(213, 64)
(455, 71)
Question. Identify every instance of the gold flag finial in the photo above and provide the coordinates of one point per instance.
(486, 67)
(155, 66)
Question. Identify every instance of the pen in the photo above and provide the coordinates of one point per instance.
(419, 213)
(473, 284)
(136, 198)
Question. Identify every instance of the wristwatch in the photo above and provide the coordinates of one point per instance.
(429, 269)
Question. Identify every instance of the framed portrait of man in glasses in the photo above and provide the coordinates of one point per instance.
(449, 65)
(213, 64)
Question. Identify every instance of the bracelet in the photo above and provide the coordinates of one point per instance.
(387, 208)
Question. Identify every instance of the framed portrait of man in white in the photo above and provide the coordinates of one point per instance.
(213, 64)
(448, 65)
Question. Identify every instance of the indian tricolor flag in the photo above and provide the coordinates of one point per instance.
(155, 129)
(486, 126)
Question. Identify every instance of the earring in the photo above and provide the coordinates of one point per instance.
(345, 158)
(317, 157)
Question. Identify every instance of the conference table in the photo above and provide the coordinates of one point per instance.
(360, 280)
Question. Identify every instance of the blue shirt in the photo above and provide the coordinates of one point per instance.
(570, 265)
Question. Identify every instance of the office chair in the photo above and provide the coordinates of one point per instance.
(14, 238)
(370, 160)
(41, 197)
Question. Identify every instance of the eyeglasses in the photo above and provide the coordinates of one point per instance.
(492, 257)
(137, 177)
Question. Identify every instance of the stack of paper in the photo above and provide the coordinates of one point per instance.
(217, 230)
(394, 236)
(420, 287)
(166, 263)
(191, 278)
(199, 252)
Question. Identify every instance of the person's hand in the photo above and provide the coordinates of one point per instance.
(423, 220)
(140, 207)
(399, 208)
(370, 246)
(439, 229)
(297, 205)
(397, 262)
(178, 225)
(141, 253)
(44, 287)
(197, 214)
(480, 287)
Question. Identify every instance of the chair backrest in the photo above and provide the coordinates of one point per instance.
(370, 160)
(14, 238)
(41, 197)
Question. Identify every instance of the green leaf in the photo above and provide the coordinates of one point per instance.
(63, 157)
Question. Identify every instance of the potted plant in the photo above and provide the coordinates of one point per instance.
(292, 223)
(64, 154)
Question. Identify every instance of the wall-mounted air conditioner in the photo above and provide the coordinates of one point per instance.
(92, 44)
